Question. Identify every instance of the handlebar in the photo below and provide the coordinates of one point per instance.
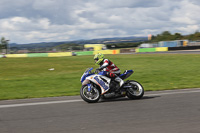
(96, 71)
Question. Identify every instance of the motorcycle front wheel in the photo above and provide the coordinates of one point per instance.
(136, 91)
(92, 96)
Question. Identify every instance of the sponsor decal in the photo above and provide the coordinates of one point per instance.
(101, 82)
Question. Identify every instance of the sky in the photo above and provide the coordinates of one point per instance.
(32, 21)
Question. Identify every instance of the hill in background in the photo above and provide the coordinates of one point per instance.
(77, 44)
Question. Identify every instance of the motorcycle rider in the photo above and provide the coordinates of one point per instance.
(106, 65)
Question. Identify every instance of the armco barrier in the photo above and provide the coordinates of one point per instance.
(127, 50)
(38, 55)
(60, 54)
(160, 49)
(157, 49)
(116, 51)
(107, 51)
(184, 48)
(84, 53)
(15, 55)
(147, 49)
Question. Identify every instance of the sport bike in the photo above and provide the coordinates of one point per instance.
(96, 85)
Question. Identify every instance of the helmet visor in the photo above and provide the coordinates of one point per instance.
(96, 59)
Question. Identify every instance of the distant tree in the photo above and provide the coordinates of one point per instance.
(197, 32)
(166, 33)
(166, 36)
(153, 37)
(197, 35)
(178, 36)
(3, 43)
(193, 37)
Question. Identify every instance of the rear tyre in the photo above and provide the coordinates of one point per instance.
(136, 91)
(92, 96)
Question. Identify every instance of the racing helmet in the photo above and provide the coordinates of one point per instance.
(98, 58)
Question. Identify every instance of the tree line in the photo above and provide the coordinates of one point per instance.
(164, 36)
(167, 36)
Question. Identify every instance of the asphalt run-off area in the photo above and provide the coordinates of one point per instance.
(157, 112)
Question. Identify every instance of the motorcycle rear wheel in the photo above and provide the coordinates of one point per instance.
(136, 91)
(92, 96)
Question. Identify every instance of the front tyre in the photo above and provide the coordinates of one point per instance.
(92, 96)
(136, 91)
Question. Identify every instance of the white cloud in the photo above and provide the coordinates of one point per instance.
(189, 28)
(187, 13)
(62, 20)
(20, 20)
(6, 26)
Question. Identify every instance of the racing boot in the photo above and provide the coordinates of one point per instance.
(121, 83)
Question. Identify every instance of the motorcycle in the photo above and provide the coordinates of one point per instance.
(96, 86)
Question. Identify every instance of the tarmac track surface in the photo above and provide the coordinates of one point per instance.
(174, 111)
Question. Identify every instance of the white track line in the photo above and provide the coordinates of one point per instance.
(170, 92)
(38, 103)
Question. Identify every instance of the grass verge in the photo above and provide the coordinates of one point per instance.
(30, 77)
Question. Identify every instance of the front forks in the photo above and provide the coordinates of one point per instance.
(89, 87)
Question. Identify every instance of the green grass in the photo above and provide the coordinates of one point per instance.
(30, 77)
